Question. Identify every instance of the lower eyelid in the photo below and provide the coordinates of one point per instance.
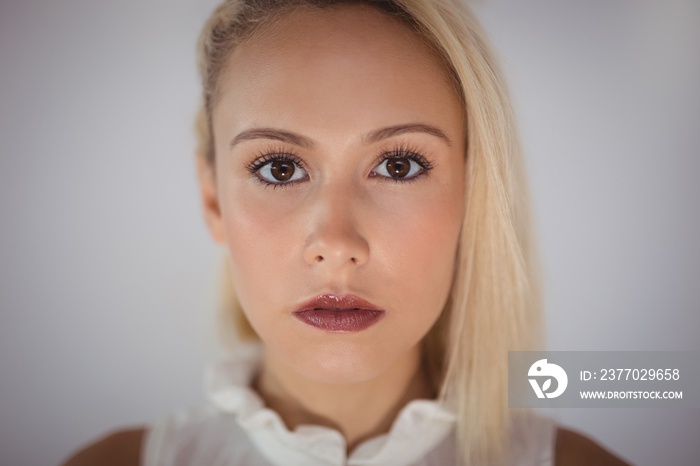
(268, 184)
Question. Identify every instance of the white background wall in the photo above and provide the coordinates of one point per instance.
(108, 278)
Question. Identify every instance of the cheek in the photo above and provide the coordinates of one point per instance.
(418, 248)
(262, 245)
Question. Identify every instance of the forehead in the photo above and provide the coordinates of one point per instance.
(322, 65)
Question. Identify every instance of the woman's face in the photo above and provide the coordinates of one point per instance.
(339, 171)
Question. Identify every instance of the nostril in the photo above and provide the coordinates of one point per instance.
(319, 259)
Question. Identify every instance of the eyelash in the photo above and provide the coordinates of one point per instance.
(275, 154)
(271, 155)
(408, 152)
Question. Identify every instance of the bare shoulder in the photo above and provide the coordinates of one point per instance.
(575, 449)
(120, 448)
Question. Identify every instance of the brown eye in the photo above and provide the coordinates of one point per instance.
(282, 170)
(398, 167)
(401, 168)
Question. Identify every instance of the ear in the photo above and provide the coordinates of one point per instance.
(210, 199)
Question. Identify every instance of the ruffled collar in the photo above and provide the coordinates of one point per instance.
(419, 428)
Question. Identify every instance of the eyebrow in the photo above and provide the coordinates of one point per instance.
(369, 138)
(397, 130)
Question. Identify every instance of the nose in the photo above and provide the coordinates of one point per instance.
(335, 241)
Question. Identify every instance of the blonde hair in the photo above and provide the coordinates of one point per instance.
(494, 302)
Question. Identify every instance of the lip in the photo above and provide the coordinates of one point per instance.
(339, 313)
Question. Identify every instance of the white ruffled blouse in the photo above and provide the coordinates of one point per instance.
(237, 429)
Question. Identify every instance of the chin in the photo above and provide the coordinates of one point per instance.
(340, 362)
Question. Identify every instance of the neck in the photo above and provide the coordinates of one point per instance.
(359, 410)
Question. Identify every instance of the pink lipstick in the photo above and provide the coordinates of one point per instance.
(333, 313)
